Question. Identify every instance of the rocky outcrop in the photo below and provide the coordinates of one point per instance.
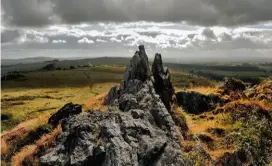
(232, 85)
(162, 81)
(49, 67)
(66, 111)
(196, 103)
(113, 95)
(138, 68)
(143, 133)
(137, 71)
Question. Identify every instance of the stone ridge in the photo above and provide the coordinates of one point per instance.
(142, 133)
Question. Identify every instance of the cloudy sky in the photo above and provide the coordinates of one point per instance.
(185, 30)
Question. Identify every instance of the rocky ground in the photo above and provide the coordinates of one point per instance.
(148, 123)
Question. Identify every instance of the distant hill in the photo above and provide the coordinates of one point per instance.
(6, 62)
(29, 64)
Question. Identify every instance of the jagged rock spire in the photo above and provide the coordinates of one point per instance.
(138, 67)
(162, 81)
(142, 133)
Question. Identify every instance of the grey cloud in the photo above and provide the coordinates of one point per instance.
(226, 37)
(86, 37)
(191, 36)
(27, 12)
(207, 32)
(151, 34)
(232, 12)
(203, 12)
(8, 36)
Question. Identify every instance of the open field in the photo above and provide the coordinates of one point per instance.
(252, 73)
(44, 92)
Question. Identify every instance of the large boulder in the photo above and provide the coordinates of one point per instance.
(162, 81)
(66, 111)
(232, 85)
(196, 103)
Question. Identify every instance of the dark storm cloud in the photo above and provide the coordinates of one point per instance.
(242, 11)
(133, 10)
(27, 12)
(204, 12)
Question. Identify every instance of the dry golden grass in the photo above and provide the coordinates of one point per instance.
(258, 103)
(215, 154)
(203, 90)
(265, 87)
(198, 125)
(29, 152)
(43, 101)
(23, 128)
(4, 147)
(115, 69)
(96, 103)
(84, 96)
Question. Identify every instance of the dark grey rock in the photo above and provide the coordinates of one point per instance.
(127, 102)
(138, 67)
(137, 114)
(142, 136)
(196, 103)
(66, 111)
(162, 81)
(112, 96)
(6, 116)
(232, 84)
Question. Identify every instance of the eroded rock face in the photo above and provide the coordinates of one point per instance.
(143, 133)
(162, 81)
